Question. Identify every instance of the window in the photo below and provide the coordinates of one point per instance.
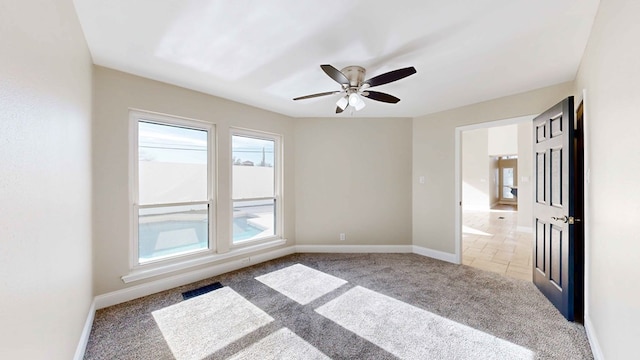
(255, 186)
(508, 178)
(172, 197)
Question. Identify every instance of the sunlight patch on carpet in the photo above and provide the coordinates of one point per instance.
(200, 326)
(282, 344)
(409, 332)
(300, 283)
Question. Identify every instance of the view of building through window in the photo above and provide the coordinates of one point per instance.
(249, 151)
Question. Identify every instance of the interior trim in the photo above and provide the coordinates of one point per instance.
(593, 339)
(436, 254)
(354, 249)
(155, 286)
(86, 331)
(137, 275)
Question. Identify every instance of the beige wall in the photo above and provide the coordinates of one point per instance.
(610, 73)
(353, 176)
(45, 180)
(525, 173)
(494, 180)
(476, 180)
(503, 140)
(434, 202)
(114, 93)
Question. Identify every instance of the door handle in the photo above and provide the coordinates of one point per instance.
(566, 219)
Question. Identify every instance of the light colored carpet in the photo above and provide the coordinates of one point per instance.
(202, 325)
(300, 283)
(282, 344)
(409, 332)
(454, 311)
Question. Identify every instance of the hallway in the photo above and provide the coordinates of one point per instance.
(490, 242)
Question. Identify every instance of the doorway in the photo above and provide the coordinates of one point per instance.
(525, 195)
(495, 196)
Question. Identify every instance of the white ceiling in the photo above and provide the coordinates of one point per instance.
(264, 53)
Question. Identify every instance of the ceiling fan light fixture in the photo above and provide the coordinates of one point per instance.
(342, 102)
(354, 99)
(360, 104)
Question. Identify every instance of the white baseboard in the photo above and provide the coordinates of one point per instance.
(436, 254)
(593, 339)
(525, 229)
(405, 249)
(137, 291)
(86, 331)
(353, 249)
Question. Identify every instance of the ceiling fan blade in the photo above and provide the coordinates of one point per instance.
(335, 74)
(339, 110)
(317, 95)
(390, 76)
(379, 96)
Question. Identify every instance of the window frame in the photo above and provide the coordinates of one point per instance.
(135, 117)
(277, 184)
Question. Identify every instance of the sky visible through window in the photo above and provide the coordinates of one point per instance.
(171, 144)
(174, 144)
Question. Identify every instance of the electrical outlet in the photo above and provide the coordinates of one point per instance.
(343, 236)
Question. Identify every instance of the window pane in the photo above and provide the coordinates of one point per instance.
(172, 164)
(253, 167)
(507, 181)
(253, 219)
(172, 230)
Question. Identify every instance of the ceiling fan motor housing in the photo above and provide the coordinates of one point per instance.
(355, 74)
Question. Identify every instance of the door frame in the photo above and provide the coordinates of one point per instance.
(458, 171)
(581, 98)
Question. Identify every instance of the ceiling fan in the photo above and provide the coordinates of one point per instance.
(354, 87)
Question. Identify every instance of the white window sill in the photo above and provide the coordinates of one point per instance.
(141, 274)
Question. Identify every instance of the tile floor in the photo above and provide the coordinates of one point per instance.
(490, 242)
